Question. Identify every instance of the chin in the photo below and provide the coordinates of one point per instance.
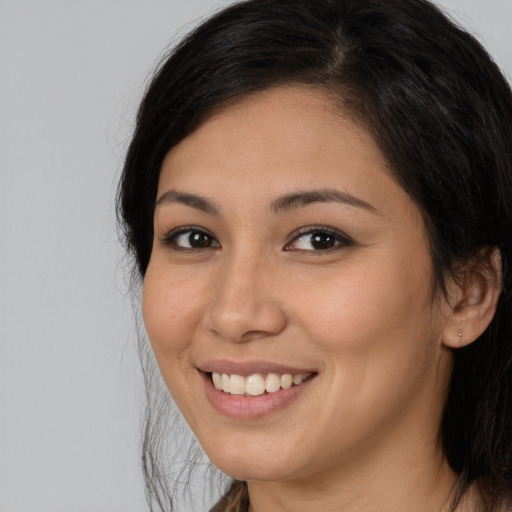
(243, 470)
(252, 463)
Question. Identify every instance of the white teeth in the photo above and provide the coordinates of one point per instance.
(256, 384)
(226, 381)
(286, 381)
(272, 383)
(237, 385)
(297, 379)
(217, 380)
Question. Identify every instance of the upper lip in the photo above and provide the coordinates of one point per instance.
(246, 368)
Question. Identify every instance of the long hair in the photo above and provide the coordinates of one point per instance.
(441, 113)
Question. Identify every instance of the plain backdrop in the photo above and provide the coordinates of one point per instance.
(71, 75)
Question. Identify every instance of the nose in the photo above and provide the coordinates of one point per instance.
(245, 304)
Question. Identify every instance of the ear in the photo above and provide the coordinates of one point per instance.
(473, 298)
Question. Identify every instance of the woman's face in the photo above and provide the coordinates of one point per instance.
(284, 250)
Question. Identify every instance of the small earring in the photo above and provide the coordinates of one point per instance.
(460, 336)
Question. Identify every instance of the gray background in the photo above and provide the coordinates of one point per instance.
(71, 74)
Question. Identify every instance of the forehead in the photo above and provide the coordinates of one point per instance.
(280, 139)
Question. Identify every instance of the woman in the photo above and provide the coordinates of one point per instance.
(318, 199)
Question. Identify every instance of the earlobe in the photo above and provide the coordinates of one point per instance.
(474, 298)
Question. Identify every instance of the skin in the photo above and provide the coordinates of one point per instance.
(363, 435)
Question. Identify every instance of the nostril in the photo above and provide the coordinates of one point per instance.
(253, 335)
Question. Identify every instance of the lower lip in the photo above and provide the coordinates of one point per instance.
(249, 407)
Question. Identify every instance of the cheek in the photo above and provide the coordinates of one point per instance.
(372, 322)
(356, 305)
(172, 306)
(377, 334)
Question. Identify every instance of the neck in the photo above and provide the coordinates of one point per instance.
(406, 481)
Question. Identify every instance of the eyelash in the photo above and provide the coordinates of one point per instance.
(340, 239)
(170, 238)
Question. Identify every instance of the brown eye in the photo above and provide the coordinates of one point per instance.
(192, 239)
(199, 240)
(322, 241)
(319, 240)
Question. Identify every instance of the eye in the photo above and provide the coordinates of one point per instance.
(318, 239)
(191, 238)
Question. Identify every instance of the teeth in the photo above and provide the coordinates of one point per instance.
(226, 383)
(217, 380)
(286, 381)
(256, 384)
(297, 379)
(272, 383)
(237, 385)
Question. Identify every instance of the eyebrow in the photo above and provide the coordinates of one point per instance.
(306, 197)
(281, 204)
(192, 200)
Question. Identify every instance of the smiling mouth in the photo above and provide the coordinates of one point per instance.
(256, 384)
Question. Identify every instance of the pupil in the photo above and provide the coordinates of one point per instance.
(199, 240)
(322, 241)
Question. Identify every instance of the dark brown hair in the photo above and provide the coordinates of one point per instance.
(441, 113)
